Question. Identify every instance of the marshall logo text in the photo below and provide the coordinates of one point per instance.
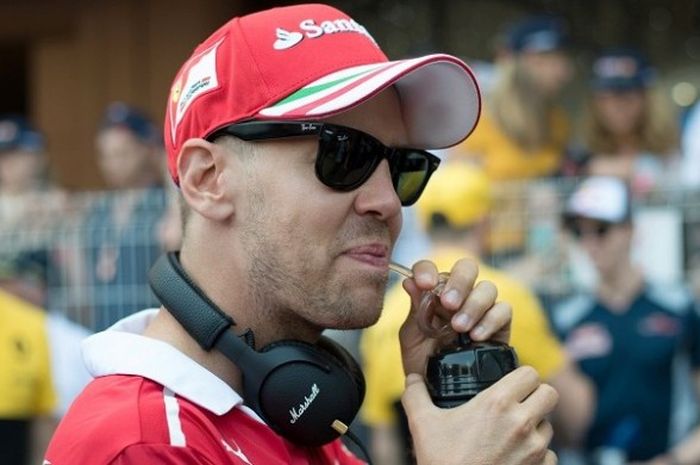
(296, 412)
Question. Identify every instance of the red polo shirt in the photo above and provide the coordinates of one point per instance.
(150, 403)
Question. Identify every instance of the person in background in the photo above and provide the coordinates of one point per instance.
(41, 367)
(30, 206)
(627, 336)
(630, 132)
(22, 166)
(27, 394)
(690, 170)
(523, 132)
(122, 229)
(454, 210)
(42, 373)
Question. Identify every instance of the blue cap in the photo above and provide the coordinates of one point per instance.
(119, 114)
(620, 69)
(538, 34)
(17, 134)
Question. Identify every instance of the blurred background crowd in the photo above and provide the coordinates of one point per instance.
(579, 192)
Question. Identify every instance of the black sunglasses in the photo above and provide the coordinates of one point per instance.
(347, 157)
(599, 228)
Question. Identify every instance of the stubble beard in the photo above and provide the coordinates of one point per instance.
(288, 292)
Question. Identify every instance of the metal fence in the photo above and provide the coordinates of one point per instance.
(86, 255)
(527, 237)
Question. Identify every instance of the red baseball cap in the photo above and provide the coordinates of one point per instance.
(308, 62)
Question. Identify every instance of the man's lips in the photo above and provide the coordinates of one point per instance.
(373, 254)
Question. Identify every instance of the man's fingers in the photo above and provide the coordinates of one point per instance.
(415, 398)
(550, 458)
(496, 322)
(460, 284)
(478, 301)
(413, 291)
(515, 386)
(542, 401)
(545, 431)
(425, 274)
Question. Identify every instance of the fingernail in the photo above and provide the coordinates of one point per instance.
(478, 331)
(452, 297)
(425, 279)
(462, 320)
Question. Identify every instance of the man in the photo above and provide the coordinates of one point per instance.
(287, 234)
(454, 210)
(122, 227)
(627, 335)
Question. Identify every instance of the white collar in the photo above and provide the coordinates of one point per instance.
(122, 350)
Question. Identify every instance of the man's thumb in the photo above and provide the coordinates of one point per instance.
(415, 396)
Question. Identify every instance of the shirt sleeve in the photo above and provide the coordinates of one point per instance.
(163, 454)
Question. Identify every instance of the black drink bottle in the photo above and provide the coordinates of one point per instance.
(463, 369)
(460, 371)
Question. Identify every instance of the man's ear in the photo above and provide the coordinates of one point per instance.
(201, 167)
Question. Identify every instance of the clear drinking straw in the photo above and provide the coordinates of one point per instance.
(428, 321)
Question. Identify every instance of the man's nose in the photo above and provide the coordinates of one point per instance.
(377, 195)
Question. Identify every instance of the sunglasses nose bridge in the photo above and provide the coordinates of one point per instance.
(393, 157)
(596, 233)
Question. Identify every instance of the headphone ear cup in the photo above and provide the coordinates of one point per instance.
(346, 360)
(308, 389)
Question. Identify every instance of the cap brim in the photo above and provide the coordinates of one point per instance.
(439, 95)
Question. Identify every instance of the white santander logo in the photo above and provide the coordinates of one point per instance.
(296, 412)
(311, 30)
(286, 39)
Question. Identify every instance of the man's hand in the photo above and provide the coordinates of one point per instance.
(467, 307)
(502, 425)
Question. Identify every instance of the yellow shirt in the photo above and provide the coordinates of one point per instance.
(26, 389)
(530, 335)
(504, 159)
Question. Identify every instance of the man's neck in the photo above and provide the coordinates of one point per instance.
(617, 290)
(233, 298)
(165, 328)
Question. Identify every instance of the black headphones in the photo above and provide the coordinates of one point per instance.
(307, 393)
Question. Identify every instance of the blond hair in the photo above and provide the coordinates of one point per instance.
(519, 108)
(656, 132)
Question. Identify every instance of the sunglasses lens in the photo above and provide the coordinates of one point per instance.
(346, 158)
(598, 230)
(411, 174)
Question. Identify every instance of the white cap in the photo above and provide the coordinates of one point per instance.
(603, 198)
